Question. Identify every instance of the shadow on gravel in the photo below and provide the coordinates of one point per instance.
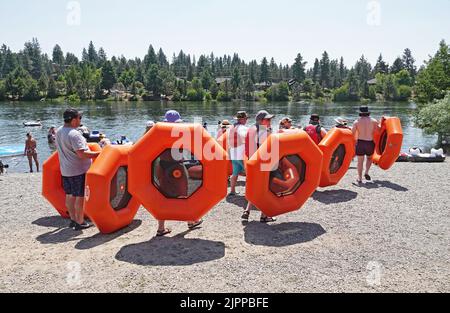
(239, 200)
(51, 221)
(383, 184)
(60, 235)
(281, 235)
(100, 239)
(172, 251)
(334, 196)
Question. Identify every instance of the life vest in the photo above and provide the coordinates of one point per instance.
(315, 132)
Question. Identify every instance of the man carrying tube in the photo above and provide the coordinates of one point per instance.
(256, 136)
(364, 130)
(75, 160)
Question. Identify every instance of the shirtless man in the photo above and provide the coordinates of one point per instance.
(364, 129)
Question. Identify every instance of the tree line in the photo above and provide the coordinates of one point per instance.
(31, 74)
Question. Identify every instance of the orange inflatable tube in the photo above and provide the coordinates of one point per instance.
(338, 148)
(52, 188)
(283, 183)
(107, 200)
(388, 143)
(178, 171)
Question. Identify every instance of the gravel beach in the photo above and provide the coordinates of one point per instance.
(391, 235)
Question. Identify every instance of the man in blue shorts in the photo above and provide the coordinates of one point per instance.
(75, 160)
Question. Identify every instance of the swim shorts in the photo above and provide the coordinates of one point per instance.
(238, 167)
(364, 147)
(74, 186)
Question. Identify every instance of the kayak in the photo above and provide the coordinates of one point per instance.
(11, 151)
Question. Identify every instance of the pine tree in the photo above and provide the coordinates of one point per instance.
(109, 77)
(58, 56)
(150, 59)
(381, 66)
(409, 63)
(342, 72)
(43, 83)
(32, 53)
(316, 71)
(325, 70)
(102, 57)
(298, 69)
(92, 54)
(397, 66)
(236, 79)
(264, 76)
(162, 59)
(52, 91)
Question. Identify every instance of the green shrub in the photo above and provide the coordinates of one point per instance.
(223, 96)
(74, 98)
(404, 93)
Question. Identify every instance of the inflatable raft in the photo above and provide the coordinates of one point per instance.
(416, 155)
(11, 151)
(32, 124)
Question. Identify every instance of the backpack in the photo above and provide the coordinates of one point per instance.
(315, 132)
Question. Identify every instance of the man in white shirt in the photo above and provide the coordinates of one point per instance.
(236, 143)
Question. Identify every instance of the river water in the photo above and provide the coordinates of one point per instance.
(129, 118)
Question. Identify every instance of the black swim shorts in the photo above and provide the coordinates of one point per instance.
(364, 147)
(74, 186)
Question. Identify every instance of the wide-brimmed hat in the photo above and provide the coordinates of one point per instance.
(240, 114)
(286, 120)
(264, 115)
(341, 121)
(225, 124)
(364, 111)
(172, 116)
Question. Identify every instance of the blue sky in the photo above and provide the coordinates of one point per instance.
(254, 29)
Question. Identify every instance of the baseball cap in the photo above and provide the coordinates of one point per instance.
(264, 115)
(172, 116)
(70, 114)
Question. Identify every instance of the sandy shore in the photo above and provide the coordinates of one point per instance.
(392, 235)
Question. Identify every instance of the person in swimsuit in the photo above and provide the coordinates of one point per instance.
(364, 129)
(31, 152)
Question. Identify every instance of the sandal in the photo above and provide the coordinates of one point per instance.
(268, 219)
(367, 177)
(161, 233)
(245, 215)
(194, 225)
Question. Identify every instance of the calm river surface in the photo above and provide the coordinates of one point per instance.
(129, 118)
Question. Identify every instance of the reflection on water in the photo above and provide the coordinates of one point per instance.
(129, 118)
